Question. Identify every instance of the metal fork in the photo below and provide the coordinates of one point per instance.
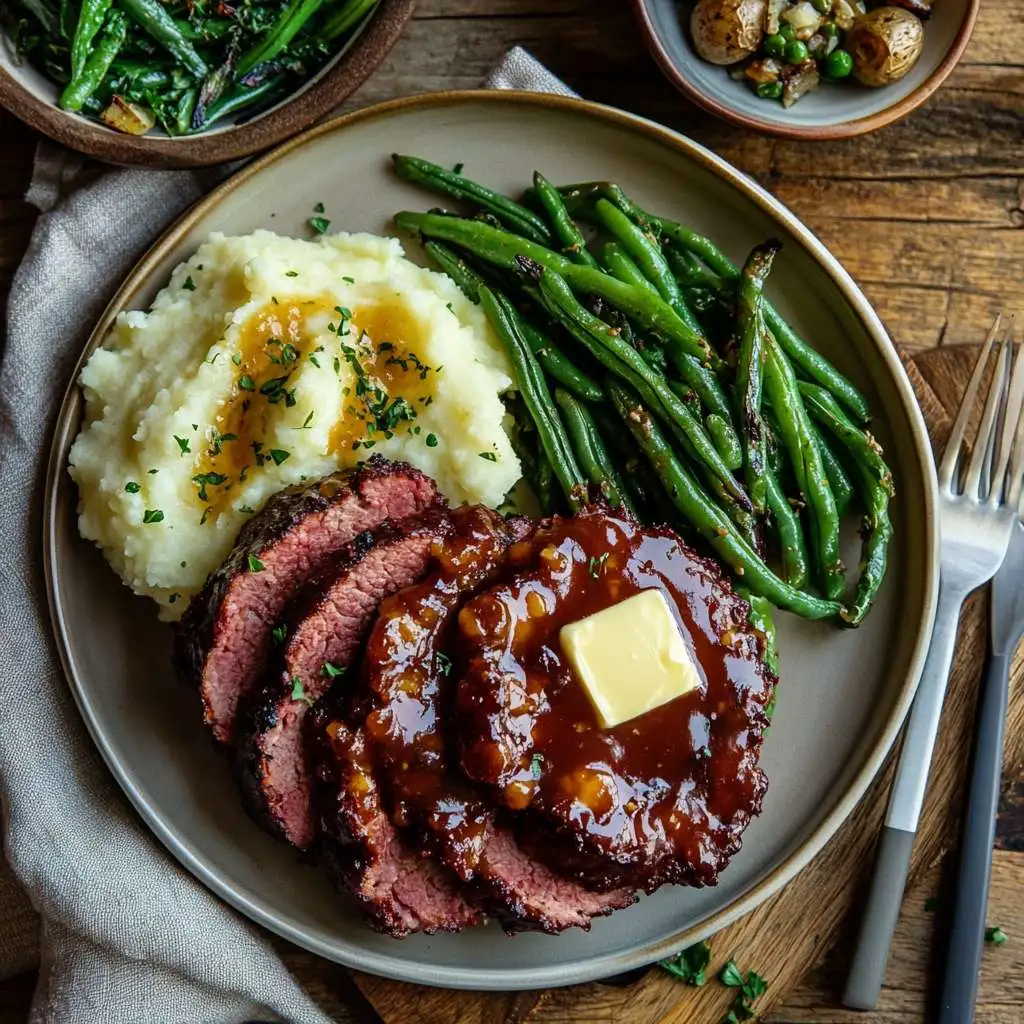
(963, 955)
(977, 512)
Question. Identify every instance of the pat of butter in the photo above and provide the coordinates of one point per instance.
(631, 658)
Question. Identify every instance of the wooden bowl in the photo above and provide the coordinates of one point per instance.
(30, 96)
(831, 112)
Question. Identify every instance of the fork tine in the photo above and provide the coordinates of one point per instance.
(983, 451)
(1001, 483)
(951, 456)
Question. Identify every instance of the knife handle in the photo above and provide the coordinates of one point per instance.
(967, 935)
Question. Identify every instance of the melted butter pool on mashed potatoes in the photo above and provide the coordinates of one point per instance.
(237, 384)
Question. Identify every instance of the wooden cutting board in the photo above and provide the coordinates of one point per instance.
(792, 931)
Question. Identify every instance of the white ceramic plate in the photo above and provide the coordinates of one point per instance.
(843, 694)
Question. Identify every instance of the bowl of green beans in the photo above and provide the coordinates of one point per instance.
(178, 83)
(807, 69)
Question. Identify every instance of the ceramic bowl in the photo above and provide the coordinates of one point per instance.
(32, 97)
(831, 112)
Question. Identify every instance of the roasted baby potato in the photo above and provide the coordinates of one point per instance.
(726, 31)
(885, 44)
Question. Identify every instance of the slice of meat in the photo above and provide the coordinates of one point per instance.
(407, 677)
(664, 797)
(398, 890)
(224, 637)
(323, 637)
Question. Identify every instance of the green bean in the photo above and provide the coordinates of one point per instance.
(646, 257)
(512, 214)
(503, 249)
(241, 97)
(708, 519)
(279, 36)
(876, 485)
(762, 621)
(96, 67)
(590, 451)
(91, 16)
(749, 373)
(346, 17)
(554, 362)
(809, 360)
(604, 343)
(530, 383)
(620, 264)
(574, 245)
(185, 115)
(153, 19)
(726, 440)
(838, 478)
(783, 394)
(792, 546)
(544, 489)
(827, 411)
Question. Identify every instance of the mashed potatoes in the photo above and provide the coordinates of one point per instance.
(267, 361)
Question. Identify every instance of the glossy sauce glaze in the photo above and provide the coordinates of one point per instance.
(664, 797)
(407, 676)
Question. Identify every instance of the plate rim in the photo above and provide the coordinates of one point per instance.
(593, 968)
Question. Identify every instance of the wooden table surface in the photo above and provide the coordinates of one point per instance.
(927, 214)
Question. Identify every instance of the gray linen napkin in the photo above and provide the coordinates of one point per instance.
(126, 935)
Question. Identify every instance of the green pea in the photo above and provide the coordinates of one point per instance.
(822, 6)
(796, 51)
(775, 45)
(838, 64)
(769, 90)
(787, 31)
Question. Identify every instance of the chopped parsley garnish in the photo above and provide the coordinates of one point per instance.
(489, 456)
(255, 565)
(278, 634)
(457, 169)
(313, 359)
(337, 365)
(349, 280)
(430, 440)
(291, 273)
(152, 515)
(274, 389)
(689, 965)
(188, 284)
(204, 517)
(183, 444)
(237, 359)
(319, 224)
(535, 765)
(751, 987)
(173, 598)
(132, 487)
(306, 422)
(279, 455)
(595, 566)
(298, 693)
(217, 440)
(289, 353)
(331, 670)
(319, 208)
(995, 935)
(208, 479)
(246, 383)
(153, 472)
(444, 663)
(730, 975)
(247, 509)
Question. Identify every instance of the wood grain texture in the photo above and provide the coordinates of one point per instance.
(928, 215)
